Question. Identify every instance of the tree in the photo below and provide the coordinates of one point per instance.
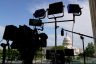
(58, 48)
(12, 54)
(39, 54)
(90, 50)
(1, 51)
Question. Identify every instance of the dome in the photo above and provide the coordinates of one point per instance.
(67, 40)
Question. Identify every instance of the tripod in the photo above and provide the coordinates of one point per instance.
(4, 51)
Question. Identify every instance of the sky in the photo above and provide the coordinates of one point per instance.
(18, 12)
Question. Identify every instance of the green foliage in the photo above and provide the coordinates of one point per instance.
(81, 54)
(58, 48)
(90, 50)
(39, 54)
(12, 54)
(1, 51)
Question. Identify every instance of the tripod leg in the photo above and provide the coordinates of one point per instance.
(4, 54)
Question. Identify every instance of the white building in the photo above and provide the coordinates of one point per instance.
(68, 44)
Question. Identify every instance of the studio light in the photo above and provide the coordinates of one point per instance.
(35, 22)
(55, 8)
(41, 13)
(74, 8)
(10, 32)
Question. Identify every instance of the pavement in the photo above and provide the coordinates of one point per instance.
(34, 62)
(43, 62)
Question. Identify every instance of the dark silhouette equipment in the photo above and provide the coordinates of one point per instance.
(69, 52)
(62, 32)
(26, 40)
(9, 33)
(41, 13)
(35, 22)
(4, 52)
(75, 9)
(50, 54)
(55, 8)
(60, 55)
(66, 52)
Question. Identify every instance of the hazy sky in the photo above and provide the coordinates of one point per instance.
(18, 12)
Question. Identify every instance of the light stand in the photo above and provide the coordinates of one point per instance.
(4, 52)
(58, 6)
(81, 36)
(9, 35)
(76, 11)
(52, 13)
(55, 38)
(39, 14)
(8, 49)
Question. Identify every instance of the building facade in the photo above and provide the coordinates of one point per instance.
(92, 5)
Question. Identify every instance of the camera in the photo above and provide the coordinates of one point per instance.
(24, 37)
(26, 40)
